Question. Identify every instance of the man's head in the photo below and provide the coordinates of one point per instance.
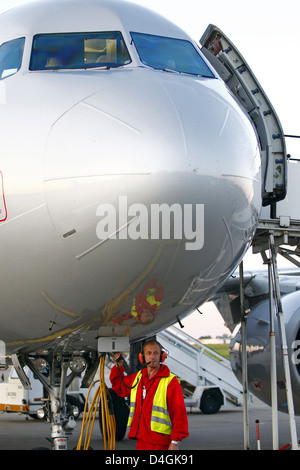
(152, 342)
(153, 353)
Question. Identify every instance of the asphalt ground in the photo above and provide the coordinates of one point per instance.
(221, 431)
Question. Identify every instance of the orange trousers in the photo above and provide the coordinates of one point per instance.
(143, 445)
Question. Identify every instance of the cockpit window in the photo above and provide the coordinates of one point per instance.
(11, 54)
(78, 51)
(170, 54)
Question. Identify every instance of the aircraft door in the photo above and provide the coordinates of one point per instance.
(238, 76)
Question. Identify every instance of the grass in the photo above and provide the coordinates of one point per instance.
(222, 349)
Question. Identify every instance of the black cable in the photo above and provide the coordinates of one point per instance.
(122, 378)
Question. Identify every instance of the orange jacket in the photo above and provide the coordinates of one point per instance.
(140, 427)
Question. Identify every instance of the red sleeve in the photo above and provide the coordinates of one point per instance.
(177, 411)
(118, 383)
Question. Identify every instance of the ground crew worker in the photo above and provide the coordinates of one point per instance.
(157, 418)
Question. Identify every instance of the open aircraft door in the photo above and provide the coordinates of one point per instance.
(238, 76)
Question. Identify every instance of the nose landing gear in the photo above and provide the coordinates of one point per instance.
(56, 372)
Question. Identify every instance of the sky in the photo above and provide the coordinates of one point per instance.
(267, 34)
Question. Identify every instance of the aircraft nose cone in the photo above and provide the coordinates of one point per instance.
(161, 140)
(152, 139)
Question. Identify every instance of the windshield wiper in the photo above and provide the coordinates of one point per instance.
(105, 67)
(170, 70)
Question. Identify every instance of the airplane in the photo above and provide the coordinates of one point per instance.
(132, 179)
(256, 292)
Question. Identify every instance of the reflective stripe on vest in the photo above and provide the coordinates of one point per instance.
(133, 398)
(160, 419)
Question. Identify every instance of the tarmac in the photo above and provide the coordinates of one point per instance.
(220, 431)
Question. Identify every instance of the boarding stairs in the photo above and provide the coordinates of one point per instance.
(199, 367)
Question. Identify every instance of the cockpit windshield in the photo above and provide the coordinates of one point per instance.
(170, 54)
(11, 54)
(78, 51)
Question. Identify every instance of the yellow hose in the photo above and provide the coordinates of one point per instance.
(108, 417)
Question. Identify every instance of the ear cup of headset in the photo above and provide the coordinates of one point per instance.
(162, 356)
(161, 359)
(141, 358)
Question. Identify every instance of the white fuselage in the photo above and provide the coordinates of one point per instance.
(72, 140)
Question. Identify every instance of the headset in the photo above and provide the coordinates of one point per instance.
(162, 358)
(163, 354)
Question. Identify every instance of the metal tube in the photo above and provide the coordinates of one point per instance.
(244, 361)
(273, 370)
(286, 366)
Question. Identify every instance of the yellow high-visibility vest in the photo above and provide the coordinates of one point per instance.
(160, 418)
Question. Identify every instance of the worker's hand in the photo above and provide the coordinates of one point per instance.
(118, 359)
(173, 447)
